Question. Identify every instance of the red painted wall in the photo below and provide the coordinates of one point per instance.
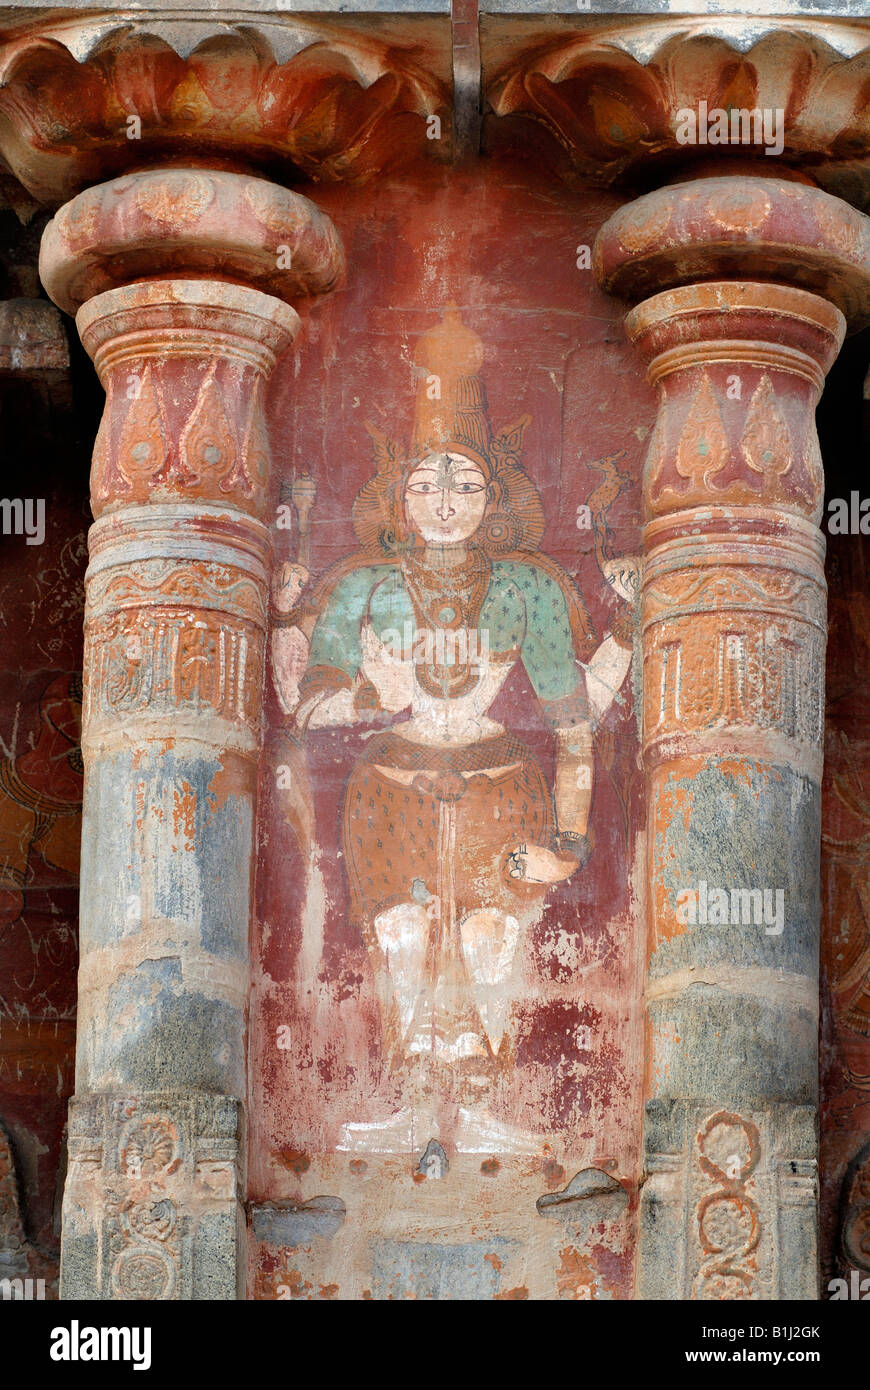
(41, 606)
(504, 248)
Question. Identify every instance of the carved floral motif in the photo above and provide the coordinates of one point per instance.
(727, 1215)
(142, 1171)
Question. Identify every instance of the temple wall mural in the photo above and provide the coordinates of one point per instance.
(434, 782)
(453, 786)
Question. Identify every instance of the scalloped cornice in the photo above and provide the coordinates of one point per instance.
(350, 96)
(317, 98)
(607, 92)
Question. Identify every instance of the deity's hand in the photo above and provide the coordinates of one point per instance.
(624, 576)
(535, 864)
(289, 645)
(287, 584)
(392, 678)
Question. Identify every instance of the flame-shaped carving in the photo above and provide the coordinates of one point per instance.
(141, 455)
(656, 457)
(252, 465)
(105, 478)
(703, 450)
(766, 444)
(809, 478)
(208, 444)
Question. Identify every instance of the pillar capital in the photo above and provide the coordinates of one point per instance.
(84, 97)
(740, 367)
(179, 222)
(775, 230)
(611, 99)
(184, 365)
(151, 264)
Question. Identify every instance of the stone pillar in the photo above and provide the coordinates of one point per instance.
(175, 632)
(734, 629)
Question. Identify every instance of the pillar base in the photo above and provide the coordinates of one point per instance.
(152, 1206)
(729, 1203)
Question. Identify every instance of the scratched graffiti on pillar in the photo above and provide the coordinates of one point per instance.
(452, 833)
(41, 795)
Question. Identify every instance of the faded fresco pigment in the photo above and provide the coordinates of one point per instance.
(453, 790)
(433, 792)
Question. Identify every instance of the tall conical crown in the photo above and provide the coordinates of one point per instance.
(451, 412)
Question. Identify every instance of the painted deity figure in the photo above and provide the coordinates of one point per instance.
(451, 834)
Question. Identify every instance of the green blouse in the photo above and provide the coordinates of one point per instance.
(524, 610)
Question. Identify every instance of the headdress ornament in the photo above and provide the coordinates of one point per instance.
(451, 416)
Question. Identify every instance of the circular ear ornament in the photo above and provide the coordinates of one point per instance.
(499, 532)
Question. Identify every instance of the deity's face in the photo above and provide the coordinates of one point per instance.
(445, 498)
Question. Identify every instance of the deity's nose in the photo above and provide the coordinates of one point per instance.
(445, 511)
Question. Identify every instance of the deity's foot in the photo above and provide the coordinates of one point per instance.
(478, 1131)
(405, 1131)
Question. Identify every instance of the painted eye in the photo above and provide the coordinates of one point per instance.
(421, 487)
(468, 487)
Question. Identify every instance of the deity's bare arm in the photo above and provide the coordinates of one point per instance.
(288, 642)
(604, 674)
(574, 770)
(383, 685)
(606, 671)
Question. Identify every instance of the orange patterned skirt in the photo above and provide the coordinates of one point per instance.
(434, 827)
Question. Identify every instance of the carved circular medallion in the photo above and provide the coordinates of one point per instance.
(641, 233)
(728, 1225)
(81, 219)
(152, 1220)
(839, 226)
(143, 1274)
(275, 211)
(729, 1147)
(718, 1287)
(742, 208)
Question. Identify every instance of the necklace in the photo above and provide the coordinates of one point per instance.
(447, 597)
